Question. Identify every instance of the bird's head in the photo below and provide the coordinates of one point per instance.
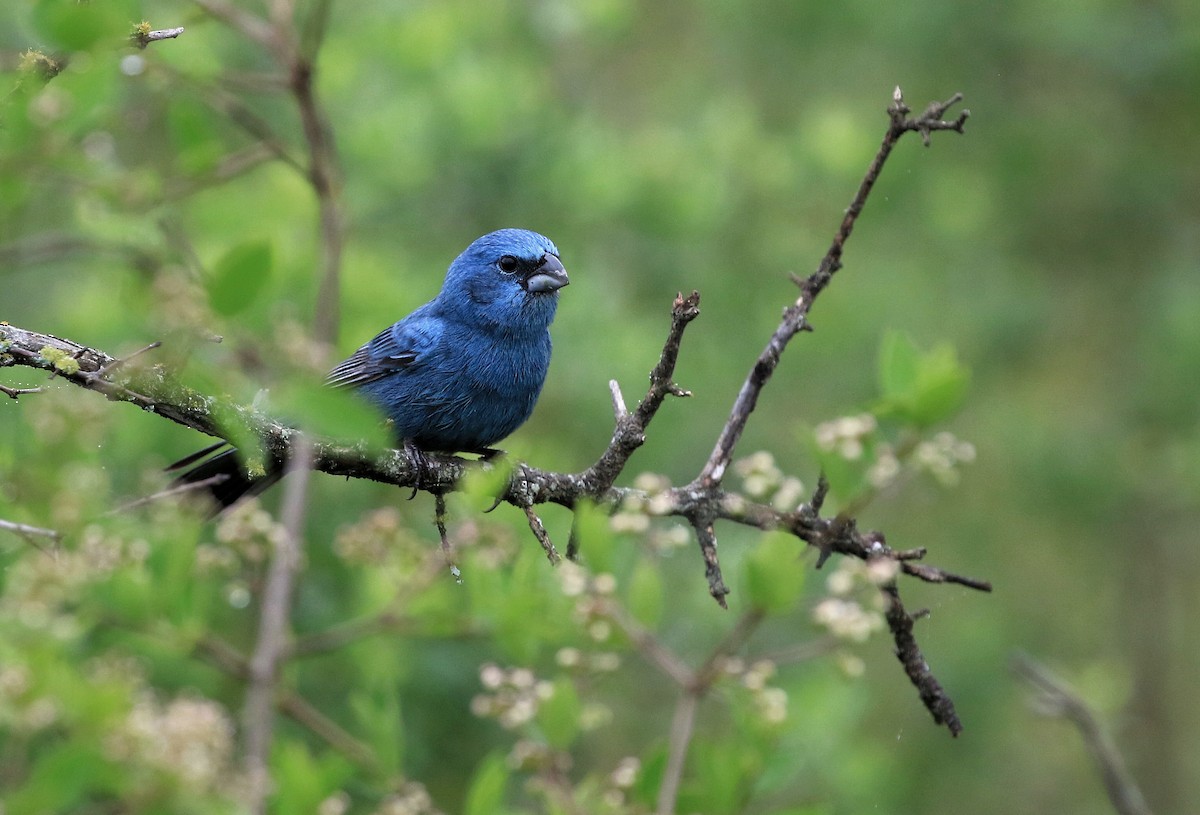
(509, 279)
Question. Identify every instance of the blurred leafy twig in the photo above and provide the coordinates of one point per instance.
(1054, 697)
(294, 44)
(271, 650)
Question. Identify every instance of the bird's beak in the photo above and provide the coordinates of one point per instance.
(547, 277)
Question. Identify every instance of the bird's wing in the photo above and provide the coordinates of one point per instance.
(397, 348)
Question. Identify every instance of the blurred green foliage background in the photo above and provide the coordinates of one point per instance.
(664, 146)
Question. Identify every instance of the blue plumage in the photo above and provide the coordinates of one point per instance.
(462, 371)
(465, 369)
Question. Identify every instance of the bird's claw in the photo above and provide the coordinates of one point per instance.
(420, 463)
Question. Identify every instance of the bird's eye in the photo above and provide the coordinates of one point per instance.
(508, 264)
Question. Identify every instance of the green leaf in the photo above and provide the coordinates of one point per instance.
(302, 780)
(773, 573)
(941, 388)
(331, 413)
(720, 772)
(195, 135)
(486, 793)
(899, 362)
(239, 277)
(921, 388)
(654, 767)
(379, 716)
(558, 716)
(58, 781)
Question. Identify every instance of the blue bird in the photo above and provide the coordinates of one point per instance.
(458, 374)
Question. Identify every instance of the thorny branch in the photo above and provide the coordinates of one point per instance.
(702, 502)
(900, 623)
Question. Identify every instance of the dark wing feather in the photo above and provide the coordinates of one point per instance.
(395, 348)
(362, 367)
(188, 461)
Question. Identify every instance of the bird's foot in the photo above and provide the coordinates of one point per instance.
(420, 463)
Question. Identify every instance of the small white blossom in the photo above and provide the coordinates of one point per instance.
(772, 705)
(604, 583)
(882, 570)
(651, 483)
(568, 657)
(491, 676)
(600, 630)
(788, 495)
(840, 582)
(626, 773)
(850, 665)
(336, 804)
(629, 522)
(572, 578)
(845, 435)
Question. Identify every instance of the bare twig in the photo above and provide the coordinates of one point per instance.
(227, 168)
(707, 538)
(803, 652)
(27, 531)
(439, 519)
(117, 363)
(49, 247)
(143, 35)
(694, 685)
(308, 715)
(900, 623)
(543, 537)
(16, 393)
(932, 574)
(325, 179)
(273, 625)
(173, 492)
(795, 317)
(1056, 698)
(630, 431)
(683, 724)
(618, 400)
(239, 113)
(705, 487)
(251, 27)
(388, 622)
(650, 647)
(231, 661)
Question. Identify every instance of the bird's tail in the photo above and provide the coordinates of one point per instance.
(222, 475)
